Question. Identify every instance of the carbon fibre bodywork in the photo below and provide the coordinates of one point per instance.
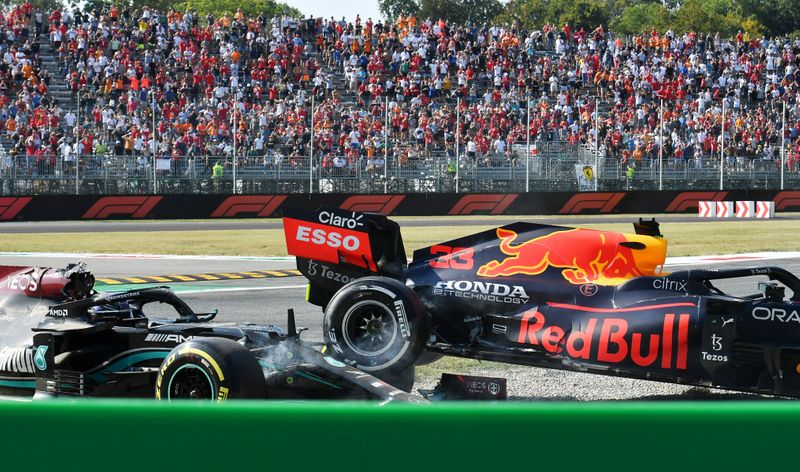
(572, 298)
(92, 344)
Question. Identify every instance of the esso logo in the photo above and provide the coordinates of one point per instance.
(327, 238)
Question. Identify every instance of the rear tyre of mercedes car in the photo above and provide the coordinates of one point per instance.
(378, 324)
(210, 369)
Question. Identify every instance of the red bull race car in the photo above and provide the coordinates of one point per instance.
(547, 296)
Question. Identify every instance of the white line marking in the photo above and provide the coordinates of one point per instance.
(725, 258)
(77, 255)
(238, 289)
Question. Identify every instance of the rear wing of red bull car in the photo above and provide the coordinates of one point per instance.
(334, 246)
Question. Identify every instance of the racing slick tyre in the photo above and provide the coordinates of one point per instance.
(378, 324)
(210, 369)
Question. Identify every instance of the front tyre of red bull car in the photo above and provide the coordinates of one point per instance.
(379, 325)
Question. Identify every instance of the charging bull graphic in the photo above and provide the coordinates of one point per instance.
(587, 256)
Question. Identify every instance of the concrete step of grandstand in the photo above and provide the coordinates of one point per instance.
(58, 88)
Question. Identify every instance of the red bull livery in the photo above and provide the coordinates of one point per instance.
(585, 255)
(547, 296)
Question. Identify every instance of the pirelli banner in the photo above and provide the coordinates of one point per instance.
(171, 206)
(545, 436)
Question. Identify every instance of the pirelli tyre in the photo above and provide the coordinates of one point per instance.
(210, 369)
(378, 324)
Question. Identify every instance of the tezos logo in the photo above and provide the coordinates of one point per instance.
(327, 273)
(39, 359)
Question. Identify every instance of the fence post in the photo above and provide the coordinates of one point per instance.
(104, 165)
(722, 147)
(528, 145)
(311, 149)
(783, 140)
(458, 128)
(386, 146)
(437, 170)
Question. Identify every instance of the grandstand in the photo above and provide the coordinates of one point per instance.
(140, 101)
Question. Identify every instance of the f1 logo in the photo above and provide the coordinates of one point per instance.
(11, 206)
(134, 207)
(383, 204)
(494, 203)
(603, 202)
(788, 199)
(262, 205)
(691, 200)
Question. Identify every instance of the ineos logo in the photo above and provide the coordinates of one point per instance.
(25, 282)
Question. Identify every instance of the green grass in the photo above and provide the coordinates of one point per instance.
(685, 239)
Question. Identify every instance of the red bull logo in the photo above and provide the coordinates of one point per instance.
(611, 340)
(585, 255)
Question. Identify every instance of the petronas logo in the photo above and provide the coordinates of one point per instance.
(39, 359)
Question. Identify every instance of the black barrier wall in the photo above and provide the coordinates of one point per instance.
(93, 207)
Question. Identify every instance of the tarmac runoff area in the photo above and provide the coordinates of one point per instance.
(265, 300)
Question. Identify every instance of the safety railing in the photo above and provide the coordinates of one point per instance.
(510, 172)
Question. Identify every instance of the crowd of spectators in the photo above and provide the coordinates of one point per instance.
(27, 114)
(274, 90)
